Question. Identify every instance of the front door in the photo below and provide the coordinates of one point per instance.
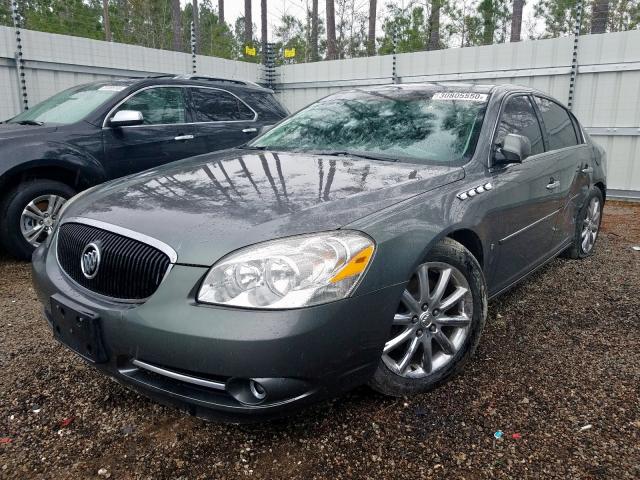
(165, 136)
(526, 198)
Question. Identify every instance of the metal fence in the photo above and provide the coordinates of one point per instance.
(606, 97)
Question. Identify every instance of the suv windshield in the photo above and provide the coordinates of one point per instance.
(69, 106)
(437, 128)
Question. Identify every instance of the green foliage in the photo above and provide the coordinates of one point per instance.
(409, 26)
(560, 16)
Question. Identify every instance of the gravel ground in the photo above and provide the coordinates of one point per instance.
(557, 371)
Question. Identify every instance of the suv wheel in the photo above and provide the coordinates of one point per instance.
(438, 323)
(30, 212)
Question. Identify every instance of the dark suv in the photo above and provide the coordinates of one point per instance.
(104, 130)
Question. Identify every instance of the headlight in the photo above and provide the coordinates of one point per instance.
(291, 272)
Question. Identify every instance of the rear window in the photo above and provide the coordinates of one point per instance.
(557, 123)
(267, 105)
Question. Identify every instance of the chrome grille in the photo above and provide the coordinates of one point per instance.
(128, 270)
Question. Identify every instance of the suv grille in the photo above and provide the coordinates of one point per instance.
(128, 269)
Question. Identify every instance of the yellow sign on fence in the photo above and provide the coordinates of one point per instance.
(289, 52)
(250, 51)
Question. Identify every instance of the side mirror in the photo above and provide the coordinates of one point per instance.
(126, 118)
(514, 149)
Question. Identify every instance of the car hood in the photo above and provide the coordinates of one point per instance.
(207, 206)
(14, 130)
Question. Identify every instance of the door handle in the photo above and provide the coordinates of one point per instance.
(552, 185)
(183, 137)
(587, 170)
(249, 130)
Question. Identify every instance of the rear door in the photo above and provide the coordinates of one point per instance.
(221, 119)
(526, 198)
(165, 136)
(572, 157)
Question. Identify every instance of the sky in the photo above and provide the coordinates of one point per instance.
(276, 8)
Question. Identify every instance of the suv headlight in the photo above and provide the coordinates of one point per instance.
(290, 272)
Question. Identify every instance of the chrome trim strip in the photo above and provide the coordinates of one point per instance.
(179, 376)
(518, 232)
(112, 111)
(125, 232)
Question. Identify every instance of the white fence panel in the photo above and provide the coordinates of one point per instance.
(55, 62)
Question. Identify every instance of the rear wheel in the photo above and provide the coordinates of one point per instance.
(587, 226)
(29, 213)
(438, 323)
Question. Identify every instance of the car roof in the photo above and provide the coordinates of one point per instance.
(432, 87)
(199, 80)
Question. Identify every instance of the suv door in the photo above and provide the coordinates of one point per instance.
(572, 157)
(525, 196)
(165, 135)
(221, 119)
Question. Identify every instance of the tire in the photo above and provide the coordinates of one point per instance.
(577, 250)
(428, 328)
(14, 203)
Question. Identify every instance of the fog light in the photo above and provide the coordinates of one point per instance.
(257, 390)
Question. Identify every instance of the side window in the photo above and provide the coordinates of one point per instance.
(520, 118)
(267, 105)
(160, 105)
(218, 106)
(557, 123)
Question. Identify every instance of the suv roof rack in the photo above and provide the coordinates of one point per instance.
(211, 79)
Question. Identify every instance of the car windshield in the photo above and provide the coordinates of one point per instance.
(68, 106)
(410, 125)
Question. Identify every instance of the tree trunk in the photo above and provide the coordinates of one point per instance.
(516, 20)
(600, 16)
(248, 23)
(373, 11)
(434, 26)
(107, 24)
(263, 22)
(314, 32)
(332, 51)
(196, 25)
(176, 25)
(221, 11)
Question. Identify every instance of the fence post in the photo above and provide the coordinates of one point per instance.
(574, 59)
(394, 71)
(22, 82)
(193, 49)
(270, 66)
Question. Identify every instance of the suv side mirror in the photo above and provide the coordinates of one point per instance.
(126, 118)
(514, 149)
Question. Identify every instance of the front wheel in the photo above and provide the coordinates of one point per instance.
(438, 323)
(29, 213)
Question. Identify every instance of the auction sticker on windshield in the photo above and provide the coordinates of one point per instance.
(465, 96)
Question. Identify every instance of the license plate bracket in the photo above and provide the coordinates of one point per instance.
(78, 328)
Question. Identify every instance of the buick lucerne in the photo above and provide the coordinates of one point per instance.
(356, 242)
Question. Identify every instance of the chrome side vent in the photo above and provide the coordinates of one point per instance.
(475, 191)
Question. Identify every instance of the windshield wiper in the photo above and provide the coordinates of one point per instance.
(251, 147)
(30, 122)
(352, 153)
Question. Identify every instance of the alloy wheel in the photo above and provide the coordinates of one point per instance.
(432, 322)
(591, 225)
(39, 217)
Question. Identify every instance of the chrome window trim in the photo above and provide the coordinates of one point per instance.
(115, 108)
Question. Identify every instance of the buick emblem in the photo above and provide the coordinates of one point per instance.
(90, 261)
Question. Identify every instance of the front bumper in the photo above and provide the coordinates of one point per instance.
(202, 358)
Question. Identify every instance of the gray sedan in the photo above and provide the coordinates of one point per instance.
(358, 241)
